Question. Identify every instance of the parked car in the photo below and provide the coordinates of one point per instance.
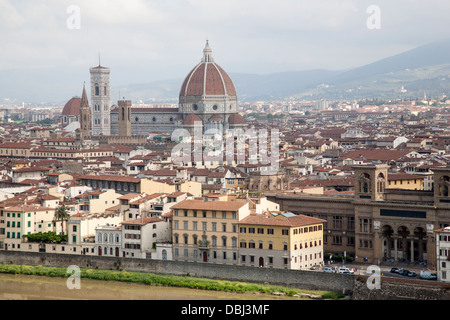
(404, 272)
(345, 270)
(328, 269)
(395, 270)
(411, 274)
(428, 275)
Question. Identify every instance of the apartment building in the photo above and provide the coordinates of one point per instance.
(207, 231)
(443, 254)
(281, 240)
(125, 184)
(29, 173)
(96, 201)
(133, 205)
(108, 241)
(405, 181)
(141, 237)
(20, 220)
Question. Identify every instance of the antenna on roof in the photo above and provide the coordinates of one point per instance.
(99, 64)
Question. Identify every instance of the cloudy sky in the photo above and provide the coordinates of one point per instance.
(146, 40)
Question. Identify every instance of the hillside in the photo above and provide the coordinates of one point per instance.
(423, 70)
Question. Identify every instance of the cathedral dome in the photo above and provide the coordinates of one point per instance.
(191, 119)
(236, 119)
(207, 78)
(72, 107)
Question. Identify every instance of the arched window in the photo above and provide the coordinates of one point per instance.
(380, 183)
(97, 89)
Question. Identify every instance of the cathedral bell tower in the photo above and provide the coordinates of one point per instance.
(85, 116)
(100, 99)
(124, 118)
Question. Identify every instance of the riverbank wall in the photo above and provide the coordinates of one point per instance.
(355, 286)
(308, 280)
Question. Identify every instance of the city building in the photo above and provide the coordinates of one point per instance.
(100, 100)
(443, 254)
(207, 97)
(376, 223)
(141, 237)
(207, 231)
(108, 241)
(281, 240)
(25, 219)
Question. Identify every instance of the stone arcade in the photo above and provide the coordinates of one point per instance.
(379, 224)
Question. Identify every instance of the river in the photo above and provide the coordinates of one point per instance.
(26, 287)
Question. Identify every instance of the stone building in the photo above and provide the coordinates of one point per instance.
(100, 100)
(378, 223)
(71, 111)
(207, 97)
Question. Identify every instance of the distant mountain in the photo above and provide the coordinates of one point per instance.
(423, 70)
(436, 53)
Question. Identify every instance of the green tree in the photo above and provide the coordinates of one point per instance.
(62, 214)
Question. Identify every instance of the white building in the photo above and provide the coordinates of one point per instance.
(100, 100)
(108, 241)
(443, 254)
(141, 238)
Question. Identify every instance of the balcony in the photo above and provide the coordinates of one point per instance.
(203, 244)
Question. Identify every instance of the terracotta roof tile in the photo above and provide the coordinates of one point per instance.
(210, 205)
(280, 220)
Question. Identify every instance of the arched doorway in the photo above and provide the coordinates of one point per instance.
(205, 256)
(261, 261)
(403, 232)
(117, 251)
(420, 244)
(387, 243)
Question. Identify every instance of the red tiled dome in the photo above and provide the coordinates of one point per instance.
(72, 107)
(191, 119)
(216, 117)
(236, 119)
(207, 78)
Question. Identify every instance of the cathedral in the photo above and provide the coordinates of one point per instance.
(207, 96)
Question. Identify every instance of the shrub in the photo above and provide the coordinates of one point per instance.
(46, 237)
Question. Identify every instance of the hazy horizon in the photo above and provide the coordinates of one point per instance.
(143, 41)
